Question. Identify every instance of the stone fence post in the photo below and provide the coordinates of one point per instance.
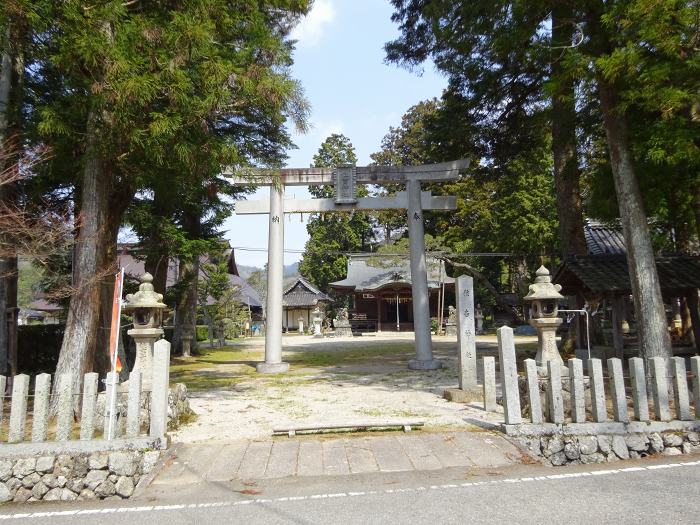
(159, 392)
(509, 376)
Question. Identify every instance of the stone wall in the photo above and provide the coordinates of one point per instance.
(178, 405)
(558, 450)
(67, 477)
(178, 408)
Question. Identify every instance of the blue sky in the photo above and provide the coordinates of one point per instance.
(339, 61)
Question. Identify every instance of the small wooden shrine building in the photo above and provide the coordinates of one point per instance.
(299, 300)
(602, 280)
(381, 292)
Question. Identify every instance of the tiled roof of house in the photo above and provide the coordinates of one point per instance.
(301, 293)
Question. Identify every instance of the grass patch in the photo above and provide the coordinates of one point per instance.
(385, 352)
(214, 368)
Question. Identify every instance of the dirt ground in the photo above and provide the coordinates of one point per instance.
(330, 381)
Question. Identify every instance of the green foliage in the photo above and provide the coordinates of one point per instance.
(331, 236)
(28, 283)
(336, 150)
(503, 205)
(202, 332)
(650, 60)
(167, 94)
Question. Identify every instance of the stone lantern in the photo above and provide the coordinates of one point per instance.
(146, 308)
(317, 320)
(543, 298)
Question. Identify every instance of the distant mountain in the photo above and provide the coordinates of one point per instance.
(290, 270)
(245, 271)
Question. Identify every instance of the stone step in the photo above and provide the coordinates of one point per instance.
(282, 458)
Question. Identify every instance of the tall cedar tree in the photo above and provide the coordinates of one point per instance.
(500, 54)
(178, 88)
(617, 40)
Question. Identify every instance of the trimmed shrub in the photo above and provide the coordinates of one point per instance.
(202, 332)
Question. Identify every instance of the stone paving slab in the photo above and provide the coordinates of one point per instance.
(420, 453)
(446, 452)
(390, 455)
(360, 456)
(336, 456)
(282, 462)
(310, 461)
(254, 462)
(225, 467)
(335, 459)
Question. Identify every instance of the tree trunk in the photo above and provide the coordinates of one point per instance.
(567, 174)
(654, 339)
(157, 265)
(11, 121)
(185, 312)
(691, 300)
(687, 320)
(108, 261)
(80, 337)
(158, 253)
(696, 208)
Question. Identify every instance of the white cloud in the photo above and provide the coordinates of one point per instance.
(312, 27)
(325, 129)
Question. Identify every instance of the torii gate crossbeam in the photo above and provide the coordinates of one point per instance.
(344, 178)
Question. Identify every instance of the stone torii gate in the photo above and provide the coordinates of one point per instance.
(345, 179)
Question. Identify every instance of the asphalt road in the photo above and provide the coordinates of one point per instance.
(649, 491)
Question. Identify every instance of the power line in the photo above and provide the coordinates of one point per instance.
(382, 254)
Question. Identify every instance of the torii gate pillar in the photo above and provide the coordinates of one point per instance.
(275, 270)
(421, 308)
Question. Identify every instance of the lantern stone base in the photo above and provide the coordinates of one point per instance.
(272, 368)
(547, 343)
(429, 364)
(145, 339)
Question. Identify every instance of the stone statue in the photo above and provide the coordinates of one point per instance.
(342, 324)
(451, 324)
(479, 318)
(451, 314)
(342, 314)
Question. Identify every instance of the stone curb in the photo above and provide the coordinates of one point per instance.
(147, 479)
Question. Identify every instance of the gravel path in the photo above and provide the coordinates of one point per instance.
(377, 389)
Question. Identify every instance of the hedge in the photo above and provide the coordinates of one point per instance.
(38, 347)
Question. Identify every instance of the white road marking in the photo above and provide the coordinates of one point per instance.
(286, 499)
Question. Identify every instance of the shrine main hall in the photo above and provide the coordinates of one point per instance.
(381, 292)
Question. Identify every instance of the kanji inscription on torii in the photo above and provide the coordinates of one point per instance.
(345, 179)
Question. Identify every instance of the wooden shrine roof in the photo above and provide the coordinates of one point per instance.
(609, 273)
